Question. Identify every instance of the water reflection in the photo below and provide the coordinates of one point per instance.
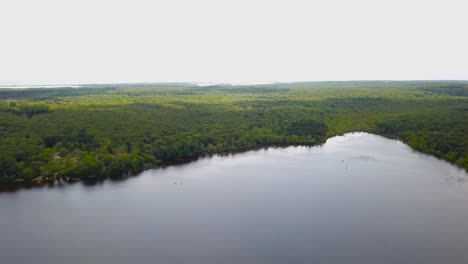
(359, 198)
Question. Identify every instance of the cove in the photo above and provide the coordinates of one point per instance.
(359, 198)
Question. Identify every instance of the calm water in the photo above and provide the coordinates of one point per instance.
(359, 198)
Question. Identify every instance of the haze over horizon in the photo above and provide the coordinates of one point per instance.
(201, 84)
(76, 42)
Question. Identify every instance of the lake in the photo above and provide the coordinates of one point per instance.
(359, 198)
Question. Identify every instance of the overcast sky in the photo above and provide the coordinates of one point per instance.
(241, 41)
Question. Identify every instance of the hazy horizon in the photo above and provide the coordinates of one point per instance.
(59, 85)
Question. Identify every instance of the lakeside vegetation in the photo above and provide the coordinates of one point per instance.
(106, 131)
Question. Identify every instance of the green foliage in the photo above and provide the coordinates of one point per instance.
(26, 108)
(98, 132)
(308, 128)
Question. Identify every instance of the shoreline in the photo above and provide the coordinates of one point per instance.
(16, 186)
(37, 183)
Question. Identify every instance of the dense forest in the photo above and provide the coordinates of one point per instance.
(101, 131)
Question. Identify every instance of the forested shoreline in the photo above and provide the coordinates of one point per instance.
(108, 131)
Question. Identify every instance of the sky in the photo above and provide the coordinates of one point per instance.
(238, 41)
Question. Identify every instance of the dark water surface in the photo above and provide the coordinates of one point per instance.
(359, 198)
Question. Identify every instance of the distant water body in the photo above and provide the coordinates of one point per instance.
(359, 198)
(38, 86)
(233, 84)
(204, 84)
